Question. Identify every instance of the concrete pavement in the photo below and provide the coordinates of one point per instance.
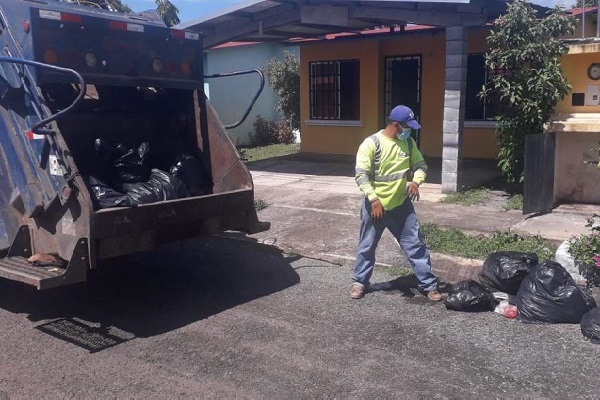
(313, 207)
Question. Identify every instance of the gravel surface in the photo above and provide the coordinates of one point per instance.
(220, 318)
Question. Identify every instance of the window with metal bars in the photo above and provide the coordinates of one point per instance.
(478, 75)
(334, 90)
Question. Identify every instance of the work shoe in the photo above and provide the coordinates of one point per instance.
(434, 295)
(357, 291)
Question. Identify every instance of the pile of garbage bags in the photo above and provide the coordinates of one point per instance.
(516, 284)
(127, 178)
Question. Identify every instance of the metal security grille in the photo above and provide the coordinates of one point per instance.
(402, 82)
(403, 85)
(334, 90)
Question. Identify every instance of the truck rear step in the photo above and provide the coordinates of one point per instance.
(19, 269)
(14, 265)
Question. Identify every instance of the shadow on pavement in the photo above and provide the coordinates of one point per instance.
(154, 292)
(475, 172)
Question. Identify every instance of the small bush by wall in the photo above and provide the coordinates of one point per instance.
(265, 132)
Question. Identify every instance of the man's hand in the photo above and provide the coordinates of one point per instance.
(376, 209)
(412, 191)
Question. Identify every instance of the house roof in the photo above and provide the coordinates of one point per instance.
(280, 20)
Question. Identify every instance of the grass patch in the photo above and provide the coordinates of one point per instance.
(467, 197)
(265, 152)
(397, 270)
(514, 202)
(260, 204)
(454, 242)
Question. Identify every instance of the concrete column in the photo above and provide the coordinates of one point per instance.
(454, 107)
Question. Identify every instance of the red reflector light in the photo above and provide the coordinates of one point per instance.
(118, 25)
(75, 18)
(178, 34)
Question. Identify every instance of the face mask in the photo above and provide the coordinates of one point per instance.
(405, 134)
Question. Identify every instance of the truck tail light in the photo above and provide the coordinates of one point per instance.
(186, 69)
(51, 56)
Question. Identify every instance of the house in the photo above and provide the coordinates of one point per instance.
(430, 56)
(576, 122)
(232, 95)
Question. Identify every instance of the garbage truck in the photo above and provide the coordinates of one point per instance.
(108, 144)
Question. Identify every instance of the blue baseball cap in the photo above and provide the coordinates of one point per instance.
(404, 114)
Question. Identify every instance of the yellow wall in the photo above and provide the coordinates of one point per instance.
(371, 52)
(341, 139)
(575, 68)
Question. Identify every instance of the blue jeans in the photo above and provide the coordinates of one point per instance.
(404, 225)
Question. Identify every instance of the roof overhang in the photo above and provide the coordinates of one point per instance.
(280, 20)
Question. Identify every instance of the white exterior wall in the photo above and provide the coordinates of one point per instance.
(230, 96)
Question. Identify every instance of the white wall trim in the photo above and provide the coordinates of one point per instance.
(331, 122)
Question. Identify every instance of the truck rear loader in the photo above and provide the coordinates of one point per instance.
(108, 145)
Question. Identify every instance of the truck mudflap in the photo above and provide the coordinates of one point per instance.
(15, 265)
(120, 231)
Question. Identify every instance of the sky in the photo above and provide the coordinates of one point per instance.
(193, 9)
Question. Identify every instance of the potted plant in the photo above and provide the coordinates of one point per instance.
(585, 249)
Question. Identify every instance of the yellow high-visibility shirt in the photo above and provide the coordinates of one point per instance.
(382, 173)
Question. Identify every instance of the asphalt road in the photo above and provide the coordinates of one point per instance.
(220, 318)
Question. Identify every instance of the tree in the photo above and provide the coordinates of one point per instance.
(524, 52)
(284, 79)
(168, 12)
(113, 5)
(164, 8)
(587, 3)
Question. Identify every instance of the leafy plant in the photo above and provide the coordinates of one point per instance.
(168, 12)
(524, 61)
(285, 132)
(586, 249)
(265, 132)
(284, 79)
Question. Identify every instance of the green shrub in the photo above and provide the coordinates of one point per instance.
(265, 132)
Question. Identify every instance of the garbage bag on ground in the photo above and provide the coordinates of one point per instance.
(504, 271)
(126, 165)
(103, 196)
(550, 295)
(192, 173)
(159, 187)
(590, 325)
(470, 296)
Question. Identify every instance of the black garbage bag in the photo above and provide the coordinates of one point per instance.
(124, 165)
(159, 187)
(550, 295)
(192, 173)
(103, 196)
(505, 270)
(590, 325)
(470, 296)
